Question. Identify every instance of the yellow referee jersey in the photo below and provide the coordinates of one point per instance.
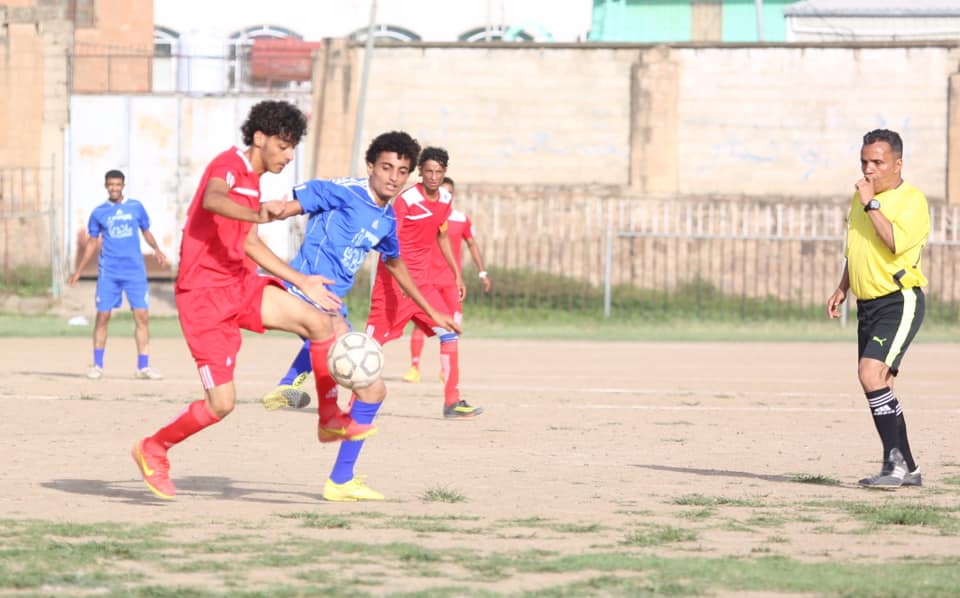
(873, 270)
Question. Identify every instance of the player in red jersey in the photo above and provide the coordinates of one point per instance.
(422, 212)
(218, 292)
(459, 229)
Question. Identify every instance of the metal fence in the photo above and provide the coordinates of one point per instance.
(732, 259)
(29, 249)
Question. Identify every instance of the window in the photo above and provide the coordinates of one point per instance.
(386, 33)
(238, 59)
(165, 42)
(496, 33)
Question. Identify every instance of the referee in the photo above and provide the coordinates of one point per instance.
(887, 228)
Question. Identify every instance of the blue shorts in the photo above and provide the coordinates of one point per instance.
(110, 292)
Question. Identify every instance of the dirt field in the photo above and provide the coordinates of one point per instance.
(610, 434)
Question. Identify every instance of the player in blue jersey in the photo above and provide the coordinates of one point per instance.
(348, 219)
(114, 229)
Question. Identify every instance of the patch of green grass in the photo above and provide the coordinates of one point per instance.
(26, 281)
(818, 479)
(442, 494)
(656, 535)
(53, 558)
(778, 539)
(906, 514)
(430, 523)
(699, 500)
(697, 514)
(953, 480)
(317, 520)
(577, 528)
(766, 519)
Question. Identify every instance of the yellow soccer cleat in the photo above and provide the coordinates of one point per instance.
(412, 375)
(349, 491)
(287, 395)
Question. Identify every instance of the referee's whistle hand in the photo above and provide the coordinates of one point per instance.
(833, 304)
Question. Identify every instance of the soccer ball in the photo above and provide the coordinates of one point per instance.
(355, 360)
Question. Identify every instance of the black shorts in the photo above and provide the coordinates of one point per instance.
(886, 325)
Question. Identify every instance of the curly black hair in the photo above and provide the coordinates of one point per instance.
(437, 154)
(891, 137)
(399, 142)
(275, 118)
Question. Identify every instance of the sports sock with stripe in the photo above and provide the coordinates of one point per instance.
(98, 357)
(362, 413)
(327, 407)
(450, 364)
(300, 365)
(905, 443)
(191, 420)
(886, 415)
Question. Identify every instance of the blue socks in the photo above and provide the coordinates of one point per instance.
(362, 413)
(301, 364)
(143, 361)
(98, 357)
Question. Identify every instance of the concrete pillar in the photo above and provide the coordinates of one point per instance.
(336, 82)
(953, 140)
(706, 21)
(655, 119)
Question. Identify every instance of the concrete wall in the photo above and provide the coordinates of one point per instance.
(162, 144)
(762, 121)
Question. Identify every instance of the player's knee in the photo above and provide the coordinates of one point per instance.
(221, 405)
(448, 337)
(375, 393)
(872, 374)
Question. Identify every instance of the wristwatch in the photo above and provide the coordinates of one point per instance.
(873, 204)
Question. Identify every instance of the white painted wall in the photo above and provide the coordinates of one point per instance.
(162, 144)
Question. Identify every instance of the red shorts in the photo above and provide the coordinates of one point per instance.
(390, 311)
(211, 319)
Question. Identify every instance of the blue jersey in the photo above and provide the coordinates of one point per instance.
(345, 225)
(120, 224)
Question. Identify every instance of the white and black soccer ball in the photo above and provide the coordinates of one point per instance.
(355, 360)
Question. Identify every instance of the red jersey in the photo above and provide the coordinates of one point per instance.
(211, 253)
(459, 228)
(419, 220)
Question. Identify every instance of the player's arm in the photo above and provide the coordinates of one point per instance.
(152, 242)
(216, 199)
(312, 286)
(398, 269)
(93, 246)
(478, 260)
(446, 250)
(289, 209)
(840, 295)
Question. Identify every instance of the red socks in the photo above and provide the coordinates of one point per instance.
(327, 393)
(416, 346)
(450, 364)
(191, 420)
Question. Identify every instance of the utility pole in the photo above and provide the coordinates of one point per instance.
(362, 99)
(759, 5)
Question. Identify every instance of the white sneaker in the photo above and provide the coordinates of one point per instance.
(147, 373)
(95, 373)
